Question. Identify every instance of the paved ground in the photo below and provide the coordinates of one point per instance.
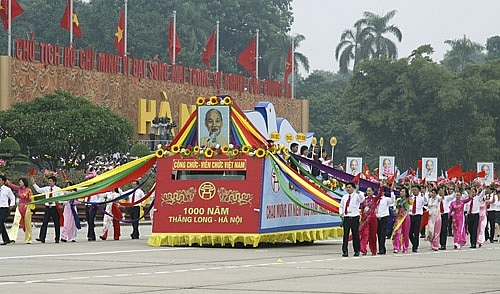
(131, 266)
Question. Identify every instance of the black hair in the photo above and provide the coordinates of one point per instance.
(25, 181)
(352, 184)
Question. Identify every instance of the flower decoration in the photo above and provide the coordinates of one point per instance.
(49, 173)
(387, 172)
(3, 162)
(187, 152)
(209, 152)
(200, 101)
(286, 153)
(159, 153)
(235, 152)
(227, 100)
(260, 152)
(225, 149)
(196, 149)
(175, 148)
(214, 100)
(245, 149)
(91, 175)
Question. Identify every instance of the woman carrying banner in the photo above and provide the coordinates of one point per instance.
(401, 231)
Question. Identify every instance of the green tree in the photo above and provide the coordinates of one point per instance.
(375, 27)
(60, 129)
(462, 52)
(493, 47)
(276, 57)
(10, 152)
(139, 150)
(324, 90)
(413, 107)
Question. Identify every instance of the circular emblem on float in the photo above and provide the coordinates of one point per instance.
(288, 138)
(206, 190)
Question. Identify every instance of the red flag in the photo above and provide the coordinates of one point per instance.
(419, 164)
(423, 181)
(16, 10)
(209, 49)
(412, 171)
(248, 58)
(454, 171)
(288, 65)
(356, 178)
(74, 19)
(391, 179)
(178, 47)
(32, 171)
(469, 175)
(120, 35)
(481, 174)
(366, 171)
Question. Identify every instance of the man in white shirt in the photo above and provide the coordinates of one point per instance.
(473, 217)
(349, 211)
(134, 210)
(6, 201)
(382, 213)
(416, 211)
(51, 211)
(444, 209)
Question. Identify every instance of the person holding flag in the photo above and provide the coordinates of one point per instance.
(22, 216)
(51, 208)
(368, 226)
(349, 211)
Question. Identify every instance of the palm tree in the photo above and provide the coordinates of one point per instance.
(462, 52)
(374, 29)
(352, 45)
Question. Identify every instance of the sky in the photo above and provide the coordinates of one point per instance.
(421, 22)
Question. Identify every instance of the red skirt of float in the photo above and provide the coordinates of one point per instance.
(228, 200)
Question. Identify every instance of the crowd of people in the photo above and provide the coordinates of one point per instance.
(65, 219)
(429, 209)
(106, 162)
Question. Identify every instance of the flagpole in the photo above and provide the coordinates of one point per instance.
(173, 39)
(70, 23)
(125, 28)
(217, 49)
(9, 22)
(293, 67)
(257, 55)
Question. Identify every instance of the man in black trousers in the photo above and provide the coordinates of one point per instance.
(51, 211)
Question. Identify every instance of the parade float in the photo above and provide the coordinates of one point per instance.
(226, 179)
(240, 191)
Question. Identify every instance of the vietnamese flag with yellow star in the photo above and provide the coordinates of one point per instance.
(16, 10)
(71, 17)
(120, 35)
